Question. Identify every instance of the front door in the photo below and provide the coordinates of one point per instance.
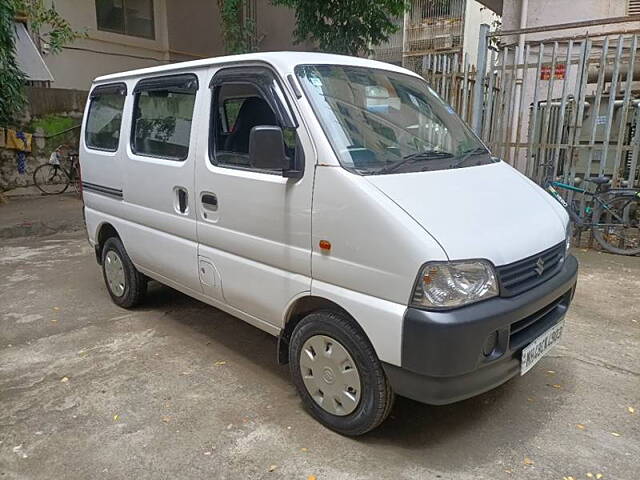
(254, 225)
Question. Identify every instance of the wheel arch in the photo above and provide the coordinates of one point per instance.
(105, 231)
(297, 310)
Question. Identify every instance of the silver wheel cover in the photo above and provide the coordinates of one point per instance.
(114, 272)
(330, 375)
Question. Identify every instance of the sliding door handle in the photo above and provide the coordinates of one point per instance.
(182, 200)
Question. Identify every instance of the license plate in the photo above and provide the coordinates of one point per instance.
(541, 345)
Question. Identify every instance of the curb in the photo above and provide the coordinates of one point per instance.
(38, 229)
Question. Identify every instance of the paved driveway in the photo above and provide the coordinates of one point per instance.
(177, 389)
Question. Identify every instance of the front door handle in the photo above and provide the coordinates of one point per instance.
(209, 201)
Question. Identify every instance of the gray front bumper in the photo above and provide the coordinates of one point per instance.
(442, 357)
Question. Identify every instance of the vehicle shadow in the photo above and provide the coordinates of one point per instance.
(506, 418)
(221, 330)
(413, 424)
(497, 426)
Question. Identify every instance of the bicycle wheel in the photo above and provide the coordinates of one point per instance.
(618, 229)
(50, 179)
(76, 181)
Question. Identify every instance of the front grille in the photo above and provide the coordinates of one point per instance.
(528, 329)
(520, 276)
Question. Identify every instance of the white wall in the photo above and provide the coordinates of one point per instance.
(475, 15)
(103, 52)
(551, 12)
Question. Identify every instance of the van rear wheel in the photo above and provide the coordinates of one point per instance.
(338, 375)
(126, 285)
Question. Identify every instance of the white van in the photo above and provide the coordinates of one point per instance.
(339, 204)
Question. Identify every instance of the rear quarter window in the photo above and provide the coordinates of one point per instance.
(102, 131)
(163, 115)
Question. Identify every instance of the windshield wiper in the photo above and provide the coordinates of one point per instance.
(466, 155)
(425, 155)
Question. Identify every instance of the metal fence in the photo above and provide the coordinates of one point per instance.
(566, 104)
(453, 78)
(570, 104)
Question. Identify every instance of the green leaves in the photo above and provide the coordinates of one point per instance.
(58, 31)
(345, 26)
(238, 29)
(11, 78)
(39, 16)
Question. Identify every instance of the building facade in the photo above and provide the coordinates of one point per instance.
(552, 12)
(129, 34)
(437, 27)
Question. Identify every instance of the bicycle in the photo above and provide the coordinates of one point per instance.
(52, 178)
(613, 214)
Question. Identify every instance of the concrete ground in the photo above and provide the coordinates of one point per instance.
(177, 389)
(40, 215)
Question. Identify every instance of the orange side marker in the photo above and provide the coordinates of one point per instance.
(325, 245)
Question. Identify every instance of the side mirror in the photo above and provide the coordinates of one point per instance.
(266, 148)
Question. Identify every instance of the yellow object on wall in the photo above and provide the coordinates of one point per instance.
(17, 143)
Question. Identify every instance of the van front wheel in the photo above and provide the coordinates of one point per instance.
(126, 285)
(338, 375)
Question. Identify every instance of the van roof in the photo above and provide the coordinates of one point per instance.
(281, 61)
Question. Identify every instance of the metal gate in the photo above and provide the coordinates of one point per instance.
(569, 105)
(453, 79)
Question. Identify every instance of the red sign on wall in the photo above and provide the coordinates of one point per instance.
(558, 73)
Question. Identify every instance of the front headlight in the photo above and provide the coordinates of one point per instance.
(568, 239)
(443, 285)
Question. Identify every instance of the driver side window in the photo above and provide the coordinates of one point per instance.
(238, 107)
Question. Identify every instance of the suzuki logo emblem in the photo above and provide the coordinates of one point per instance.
(539, 266)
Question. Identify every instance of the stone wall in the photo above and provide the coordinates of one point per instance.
(9, 176)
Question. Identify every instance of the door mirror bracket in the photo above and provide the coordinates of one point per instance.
(296, 169)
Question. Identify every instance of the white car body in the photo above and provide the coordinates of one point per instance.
(256, 255)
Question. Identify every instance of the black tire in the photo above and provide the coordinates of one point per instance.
(622, 238)
(50, 179)
(376, 397)
(135, 283)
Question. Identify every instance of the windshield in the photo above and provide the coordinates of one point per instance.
(385, 122)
